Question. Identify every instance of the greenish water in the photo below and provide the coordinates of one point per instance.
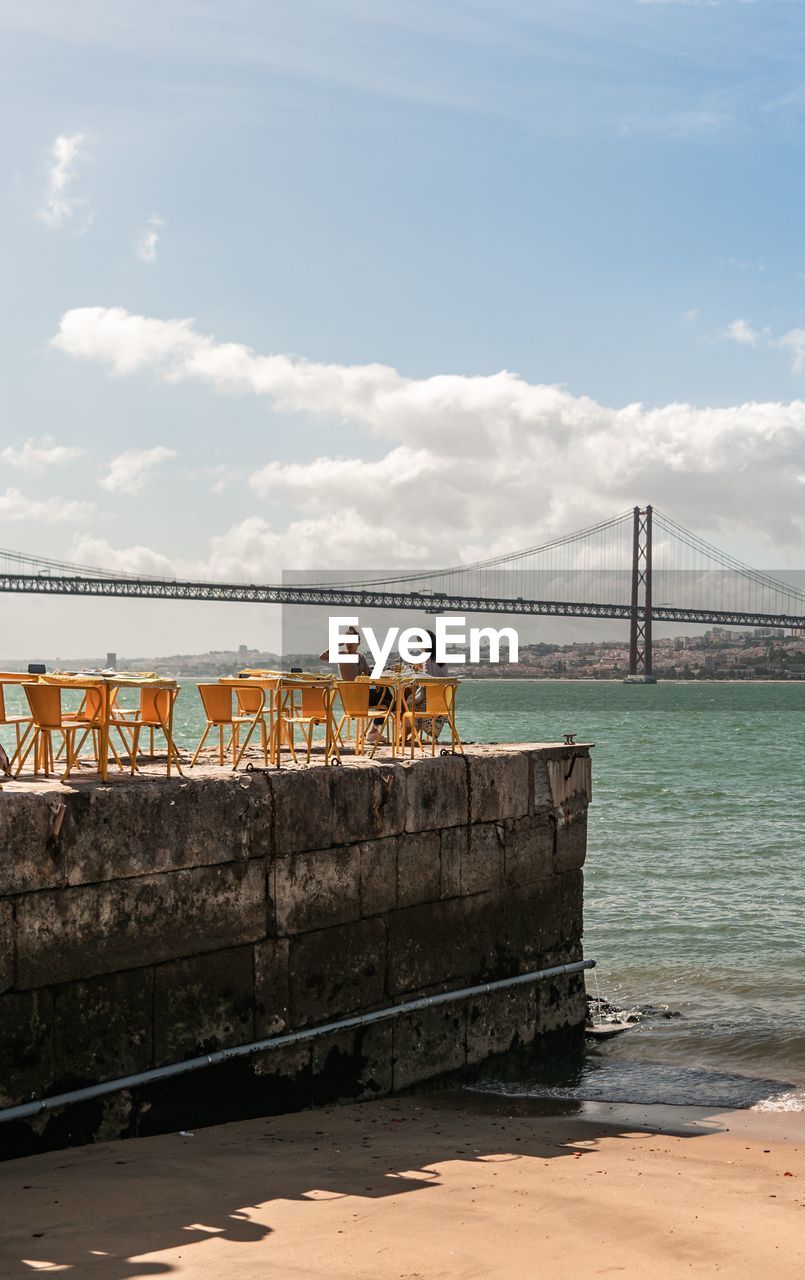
(694, 878)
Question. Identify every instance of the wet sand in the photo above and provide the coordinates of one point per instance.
(457, 1185)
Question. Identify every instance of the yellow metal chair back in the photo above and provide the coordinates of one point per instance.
(152, 702)
(354, 698)
(249, 700)
(439, 699)
(217, 700)
(314, 702)
(45, 703)
(46, 712)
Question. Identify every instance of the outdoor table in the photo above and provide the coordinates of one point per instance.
(106, 683)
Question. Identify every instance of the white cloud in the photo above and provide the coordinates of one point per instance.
(473, 465)
(742, 332)
(220, 477)
(794, 341)
(100, 554)
(15, 505)
(741, 264)
(148, 240)
(33, 454)
(690, 317)
(129, 471)
(60, 205)
(254, 551)
(694, 122)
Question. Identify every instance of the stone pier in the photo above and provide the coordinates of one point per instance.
(151, 920)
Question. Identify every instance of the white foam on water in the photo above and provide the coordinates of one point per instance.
(793, 1101)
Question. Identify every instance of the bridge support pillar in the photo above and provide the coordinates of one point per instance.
(640, 657)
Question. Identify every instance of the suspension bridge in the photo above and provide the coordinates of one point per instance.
(639, 566)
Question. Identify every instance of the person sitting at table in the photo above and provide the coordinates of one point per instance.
(350, 670)
(430, 666)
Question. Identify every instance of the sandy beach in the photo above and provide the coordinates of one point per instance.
(421, 1187)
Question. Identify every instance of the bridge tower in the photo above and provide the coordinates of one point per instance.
(640, 630)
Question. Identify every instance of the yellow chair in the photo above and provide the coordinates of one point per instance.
(90, 709)
(315, 708)
(354, 695)
(252, 700)
(438, 704)
(17, 722)
(217, 702)
(153, 714)
(46, 713)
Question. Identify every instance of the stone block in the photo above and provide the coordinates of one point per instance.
(441, 942)
(102, 1027)
(202, 1004)
(454, 845)
(482, 860)
(499, 1021)
(26, 1046)
(303, 811)
(532, 922)
(540, 799)
(436, 793)
(162, 825)
(572, 890)
(499, 786)
(29, 859)
(318, 889)
(561, 1002)
(105, 928)
(6, 946)
(271, 989)
(570, 777)
(336, 972)
(260, 808)
(286, 1064)
(353, 1064)
(419, 871)
(529, 846)
(571, 839)
(368, 802)
(378, 876)
(428, 1043)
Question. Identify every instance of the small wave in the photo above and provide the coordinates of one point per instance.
(793, 1101)
(648, 1083)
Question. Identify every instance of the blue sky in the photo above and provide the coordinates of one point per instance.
(604, 197)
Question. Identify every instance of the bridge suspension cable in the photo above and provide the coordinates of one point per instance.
(698, 547)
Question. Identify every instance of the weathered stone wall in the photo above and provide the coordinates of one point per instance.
(170, 918)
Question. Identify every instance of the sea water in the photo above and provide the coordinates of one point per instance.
(694, 882)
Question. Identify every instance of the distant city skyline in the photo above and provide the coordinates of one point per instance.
(317, 285)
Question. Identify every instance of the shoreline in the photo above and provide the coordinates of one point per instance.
(430, 1186)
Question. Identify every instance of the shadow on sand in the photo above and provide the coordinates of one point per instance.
(94, 1211)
